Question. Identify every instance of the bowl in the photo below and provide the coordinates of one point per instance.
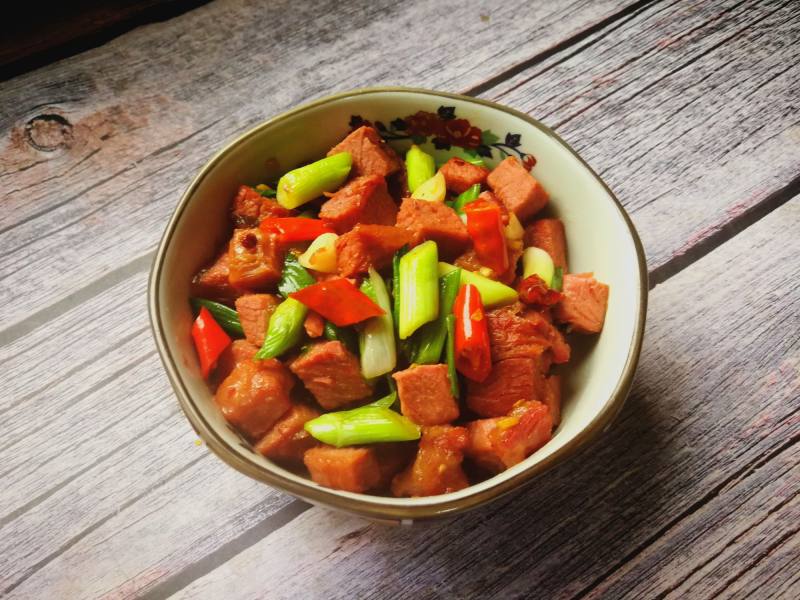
(600, 238)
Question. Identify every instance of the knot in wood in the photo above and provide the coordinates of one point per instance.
(49, 132)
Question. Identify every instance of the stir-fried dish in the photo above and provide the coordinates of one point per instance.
(391, 327)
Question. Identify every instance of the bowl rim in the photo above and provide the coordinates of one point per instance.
(362, 504)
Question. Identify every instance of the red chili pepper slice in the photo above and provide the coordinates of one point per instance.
(294, 229)
(485, 227)
(473, 353)
(533, 290)
(339, 301)
(209, 340)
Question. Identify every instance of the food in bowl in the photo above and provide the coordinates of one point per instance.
(390, 327)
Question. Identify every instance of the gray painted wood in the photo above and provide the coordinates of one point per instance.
(693, 493)
(139, 507)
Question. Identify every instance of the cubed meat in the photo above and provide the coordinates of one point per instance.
(517, 332)
(254, 396)
(437, 466)
(511, 381)
(435, 221)
(314, 324)
(332, 374)
(425, 395)
(548, 234)
(238, 351)
(519, 191)
(363, 200)
(212, 282)
(499, 443)
(246, 207)
(288, 440)
(461, 175)
(349, 469)
(371, 154)
(552, 398)
(368, 246)
(583, 306)
(254, 313)
(255, 259)
(469, 261)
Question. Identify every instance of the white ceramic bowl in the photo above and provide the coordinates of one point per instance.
(600, 237)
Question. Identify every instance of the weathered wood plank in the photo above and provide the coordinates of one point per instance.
(706, 448)
(688, 111)
(146, 110)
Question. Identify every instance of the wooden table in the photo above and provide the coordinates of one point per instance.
(689, 110)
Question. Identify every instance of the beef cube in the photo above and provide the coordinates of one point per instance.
(363, 200)
(212, 282)
(254, 313)
(332, 374)
(249, 207)
(511, 381)
(517, 332)
(461, 175)
(499, 443)
(548, 234)
(238, 351)
(349, 469)
(552, 398)
(254, 396)
(288, 440)
(425, 395)
(371, 155)
(314, 324)
(255, 259)
(583, 306)
(368, 246)
(437, 466)
(434, 221)
(519, 191)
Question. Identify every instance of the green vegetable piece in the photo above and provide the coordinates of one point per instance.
(376, 338)
(450, 320)
(431, 336)
(306, 183)
(469, 195)
(493, 293)
(420, 167)
(386, 401)
(396, 284)
(558, 279)
(475, 160)
(294, 276)
(345, 335)
(224, 315)
(536, 261)
(365, 425)
(266, 191)
(285, 329)
(419, 294)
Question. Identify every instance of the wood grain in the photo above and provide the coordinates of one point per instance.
(689, 111)
(696, 485)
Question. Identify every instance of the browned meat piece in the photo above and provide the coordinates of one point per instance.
(254, 313)
(368, 246)
(511, 381)
(552, 398)
(519, 191)
(517, 332)
(332, 374)
(236, 352)
(371, 155)
(583, 307)
(425, 395)
(349, 469)
(437, 466)
(314, 325)
(461, 175)
(363, 200)
(287, 440)
(548, 234)
(254, 396)
(469, 261)
(255, 259)
(212, 282)
(434, 221)
(499, 443)
(249, 207)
